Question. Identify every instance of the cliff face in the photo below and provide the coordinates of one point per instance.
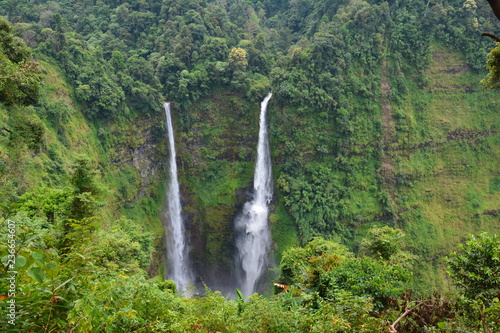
(142, 149)
(421, 156)
(444, 158)
(216, 143)
(216, 156)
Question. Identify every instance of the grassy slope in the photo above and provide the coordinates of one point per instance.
(65, 133)
(124, 152)
(445, 162)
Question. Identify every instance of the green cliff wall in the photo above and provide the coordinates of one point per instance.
(217, 139)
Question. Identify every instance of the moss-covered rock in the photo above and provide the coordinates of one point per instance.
(216, 156)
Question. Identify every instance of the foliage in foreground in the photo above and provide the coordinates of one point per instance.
(75, 288)
(93, 282)
(475, 267)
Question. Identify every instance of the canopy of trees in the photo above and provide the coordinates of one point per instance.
(20, 75)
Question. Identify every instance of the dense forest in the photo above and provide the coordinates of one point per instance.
(384, 138)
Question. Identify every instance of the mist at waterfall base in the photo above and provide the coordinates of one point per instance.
(176, 243)
(253, 238)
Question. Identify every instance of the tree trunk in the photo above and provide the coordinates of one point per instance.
(495, 6)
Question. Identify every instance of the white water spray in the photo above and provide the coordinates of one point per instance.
(175, 239)
(252, 226)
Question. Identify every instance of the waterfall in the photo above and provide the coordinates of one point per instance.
(175, 239)
(253, 237)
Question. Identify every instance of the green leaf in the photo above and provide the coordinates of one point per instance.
(62, 284)
(30, 239)
(20, 262)
(51, 265)
(80, 255)
(443, 325)
(240, 295)
(38, 256)
(36, 273)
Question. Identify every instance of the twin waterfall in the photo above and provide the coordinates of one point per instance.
(179, 267)
(253, 237)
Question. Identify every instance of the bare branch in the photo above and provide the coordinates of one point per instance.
(495, 38)
(392, 327)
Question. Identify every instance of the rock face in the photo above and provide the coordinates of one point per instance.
(144, 160)
(216, 153)
(144, 149)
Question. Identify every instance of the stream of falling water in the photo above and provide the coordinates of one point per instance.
(179, 266)
(253, 238)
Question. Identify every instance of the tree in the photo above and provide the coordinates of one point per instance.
(20, 75)
(44, 202)
(85, 189)
(492, 81)
(387, 244)
(365, 277)
(183, 45)
(326, 267)
(214, 49)
(304, 265)
(238, 59)
(382, 242)
(475, 267)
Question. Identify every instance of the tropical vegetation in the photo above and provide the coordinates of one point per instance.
(384, 144)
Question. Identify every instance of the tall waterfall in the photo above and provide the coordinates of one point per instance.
(252, 228)
(175, 239)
